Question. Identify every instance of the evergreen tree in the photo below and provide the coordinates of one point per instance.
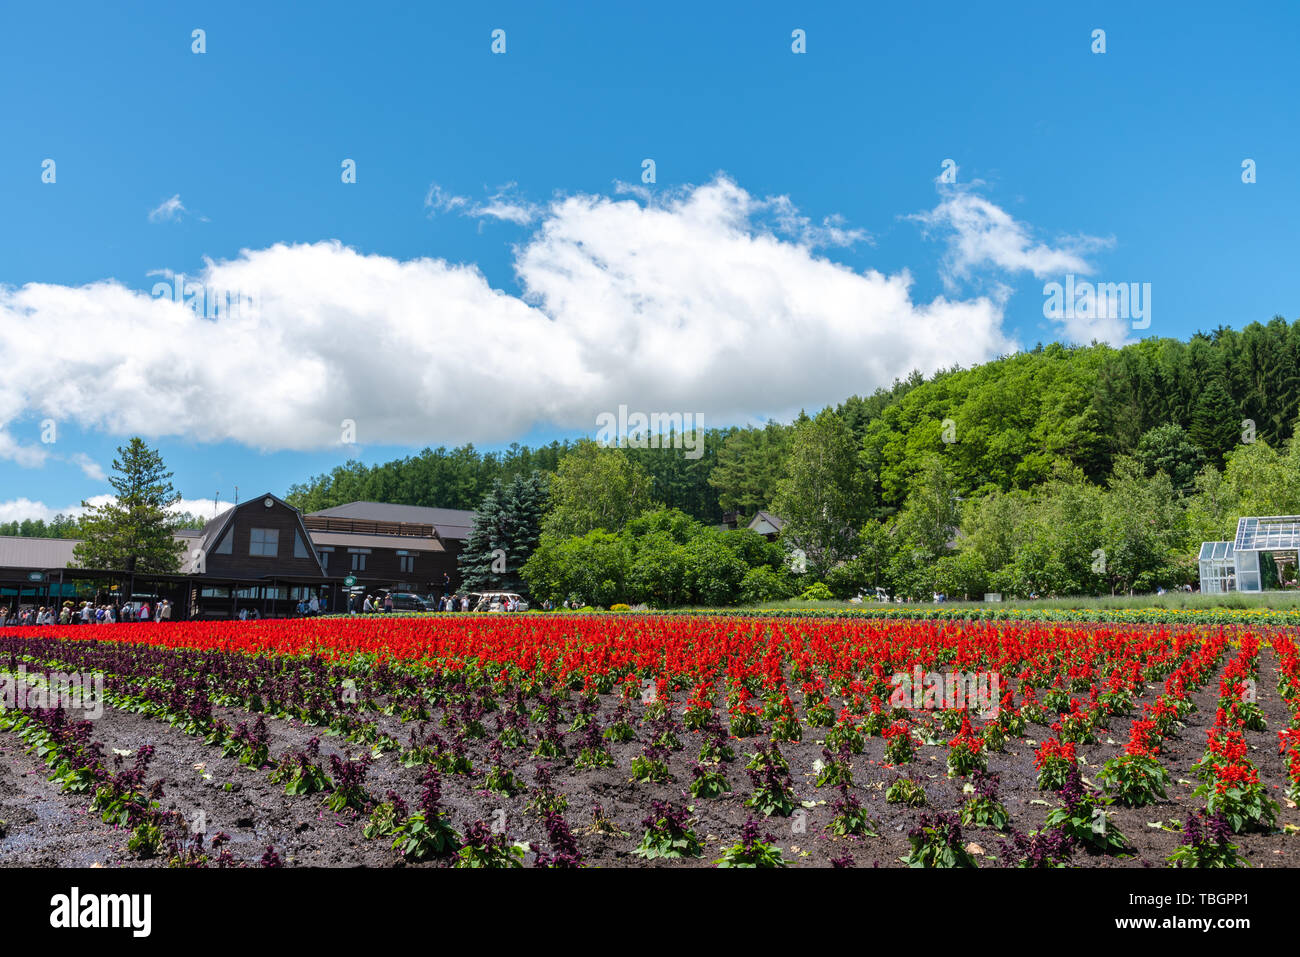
(507, 526)
(133, 533)
(1216, 421)
(748, 468)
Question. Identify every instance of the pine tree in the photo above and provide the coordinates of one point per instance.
(507, 525)
(133, 533)
(1216, 421)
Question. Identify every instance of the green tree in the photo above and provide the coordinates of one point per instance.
(134, 531)
(961, 574)
(994, 526)
(749, 468)
(595, 488)
(1169, 449)
(590, 568)
(714, 571)
(507, 526)
(1141, 529)
(869, 569)
(657, 574)
(1061, 550)
(820, 498)
(1216, 421)
(764, 584)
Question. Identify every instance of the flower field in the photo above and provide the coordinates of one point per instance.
(650, 740)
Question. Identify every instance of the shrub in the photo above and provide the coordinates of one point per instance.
(817, 591)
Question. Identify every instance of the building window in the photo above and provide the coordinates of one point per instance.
(406, 561)
(224, 547)
(299, 546)
(358, 558)
(263, 541)
(324, 555)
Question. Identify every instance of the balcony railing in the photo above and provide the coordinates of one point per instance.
(356, 526)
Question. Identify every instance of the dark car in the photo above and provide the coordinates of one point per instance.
(406, 601)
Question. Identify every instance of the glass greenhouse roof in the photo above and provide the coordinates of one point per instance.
(1216, 551)
(1257, 534)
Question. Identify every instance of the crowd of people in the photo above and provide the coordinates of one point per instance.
(448, 602)
(87, 613)
(375, 604)
(310, 607)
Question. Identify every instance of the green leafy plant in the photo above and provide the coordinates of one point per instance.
(482, 848)
(907, 792)
(1207, 843)
(300, 773)
(428, 832)
(668, 833)
(769, 775)
(937, 842)
(708, 781)
(1082, 818)
(850, 816)
(1134, 780)
(982, 808)
(752, 851)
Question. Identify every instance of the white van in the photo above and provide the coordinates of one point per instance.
(495, 601)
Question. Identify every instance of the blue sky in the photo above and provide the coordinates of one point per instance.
(499, 270)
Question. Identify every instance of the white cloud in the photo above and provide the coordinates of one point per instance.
(981, 234)
(831, 232)
(11, 450)
(168, 210)
(18, 509)
(438, 200)
(688, 302)
(91, 468)
(504, 204)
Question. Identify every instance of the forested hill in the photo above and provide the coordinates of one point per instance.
(1010, 423)
(1011, 420)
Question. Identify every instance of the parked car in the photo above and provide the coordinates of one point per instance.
(407, 601)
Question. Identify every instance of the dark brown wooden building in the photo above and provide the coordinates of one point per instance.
(406, 547)
(263, 555)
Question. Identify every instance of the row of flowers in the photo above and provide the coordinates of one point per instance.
(1288, 686)
(1253, 617)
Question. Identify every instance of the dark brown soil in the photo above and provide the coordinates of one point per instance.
(43, 827)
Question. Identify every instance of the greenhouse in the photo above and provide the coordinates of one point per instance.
(1261, 558)
(1218, 571)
